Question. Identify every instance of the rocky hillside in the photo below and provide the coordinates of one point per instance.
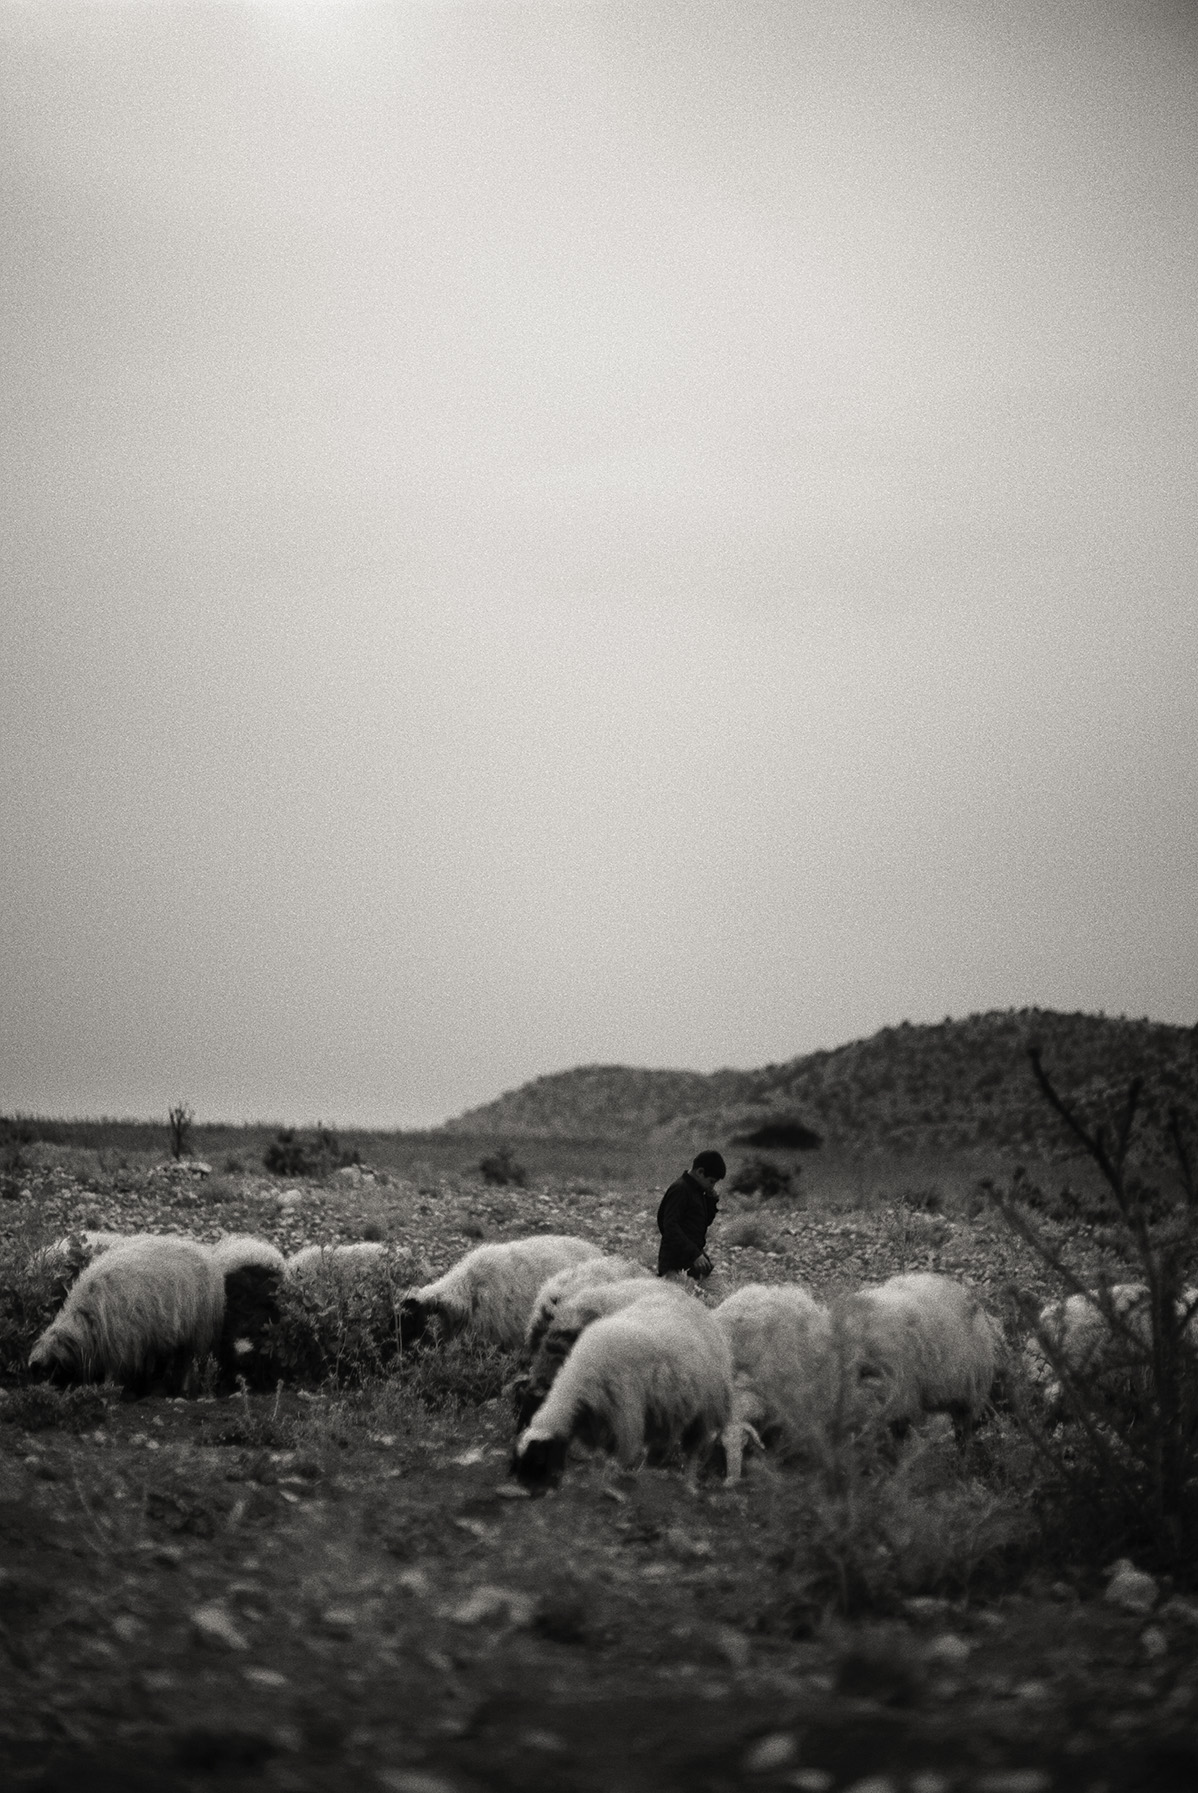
(951, 1086)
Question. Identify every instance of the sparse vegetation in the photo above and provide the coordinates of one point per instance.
(1123, 1473)
(502, 1169)
(766, 1178)
(291, 1155)
(179, 1120)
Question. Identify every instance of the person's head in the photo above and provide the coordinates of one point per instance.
(711, 1166)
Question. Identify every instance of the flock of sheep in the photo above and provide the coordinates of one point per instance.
(615, 1357)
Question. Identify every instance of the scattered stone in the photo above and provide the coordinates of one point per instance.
(811, 1780)
(127, 1627)
(874, 1783)
(404, 1780)
(339, 1620)
(949, 1650)
(505, 1604)
(927, 1780)
(926, 1607)
(1154, 1643)
(732, 1645)
(1014, 1780)
(1179, 1608)
(264, 1677)
(1131, 1588)
(212, 1625)
(770, 1753)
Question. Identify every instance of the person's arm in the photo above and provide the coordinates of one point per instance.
(679, 1246)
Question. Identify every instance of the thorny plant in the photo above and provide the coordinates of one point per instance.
(1131, 1404)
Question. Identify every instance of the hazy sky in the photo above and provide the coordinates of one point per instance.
(549, 534)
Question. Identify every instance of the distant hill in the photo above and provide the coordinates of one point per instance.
(950, 1086)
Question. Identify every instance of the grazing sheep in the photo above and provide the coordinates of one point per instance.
(575, 1312)
(780, 1338)
(490, 1291)
(1106, 1343)
(919, 1343)
(654, 1377)
(565, 1283)
(143, 1310)
(253, 1272)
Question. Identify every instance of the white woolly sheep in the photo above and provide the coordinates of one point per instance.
(919, 1343)
(655, 1377)
(490, 1291)
(565, 1283)
(780, 1338)
(1106, 1343)
(142, 1311)
(575, 1312)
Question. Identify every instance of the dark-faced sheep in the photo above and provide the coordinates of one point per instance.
(252, 1270)
(654, 1378)
(142, 1312)
(780, 1338)
(490, 1292)
(919, 1343)
(573, 1314)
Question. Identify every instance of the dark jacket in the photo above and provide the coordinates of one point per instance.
(686, 1212)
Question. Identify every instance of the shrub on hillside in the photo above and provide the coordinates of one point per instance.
(290, 1155)
(763, 1177)
(502, 1168)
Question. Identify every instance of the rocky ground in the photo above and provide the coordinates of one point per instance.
(313, 1591)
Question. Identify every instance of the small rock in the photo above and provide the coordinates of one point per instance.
(486, 1602)
(265, 1677)
(212, 1625)
(811, 1780)
(127, 1628)
(339, 1620)
(926, 1780)
(1131, 1588)
(1154, 1643)
(950, 1650)
(404, 1780)
(733, 1646)
(771, 1752)
(1014, 1780)
(1183, 1610)
(925, 1607)
(874, 1783)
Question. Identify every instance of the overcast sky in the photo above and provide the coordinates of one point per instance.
(550, 534)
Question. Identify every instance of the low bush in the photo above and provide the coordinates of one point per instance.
(502, 1167)
(1119, 1473)
(339, 1319)
(763, 1177)
(290, 1155)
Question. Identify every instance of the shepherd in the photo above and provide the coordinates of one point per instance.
(687, 1209)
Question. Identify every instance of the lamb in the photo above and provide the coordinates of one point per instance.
(780, 1338)
(490, 1291)
(919, 1343)
(652, 1378)
(575, 1312)
(145, 1309)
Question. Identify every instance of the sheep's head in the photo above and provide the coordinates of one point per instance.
(414, 1319)
(539, 1462)
(58, 1358)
